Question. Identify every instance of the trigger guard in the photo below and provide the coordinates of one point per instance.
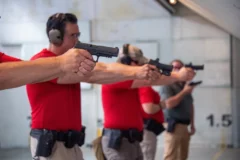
(97, 59)
(165, 73)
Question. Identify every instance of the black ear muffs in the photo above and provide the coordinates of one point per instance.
(55, 34)
(126, 59)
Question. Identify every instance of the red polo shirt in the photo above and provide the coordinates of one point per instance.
(149, 95)
(54, 106)
(6, 58)
(121, 106)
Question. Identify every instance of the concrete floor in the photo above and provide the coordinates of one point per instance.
(195, 154)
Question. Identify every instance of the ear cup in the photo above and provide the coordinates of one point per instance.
(55, 36)
(56, 33)
(126, 60)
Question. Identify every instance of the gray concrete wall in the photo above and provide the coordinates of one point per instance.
(141, 22)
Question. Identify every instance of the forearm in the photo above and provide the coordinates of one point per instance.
(15, 74)
(162, 80)
(111, 73)
(167, 80)
(174, 100)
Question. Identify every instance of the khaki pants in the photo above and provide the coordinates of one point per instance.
(59, 152)
(176, 144)
(98, 150)
(149, 145)
(127, 151)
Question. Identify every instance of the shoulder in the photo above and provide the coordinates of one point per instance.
(43, 53)
(146, 89)
(119, 85)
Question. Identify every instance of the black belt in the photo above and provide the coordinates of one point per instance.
(58, 135)
(186, 122)
(116, 135)
(130, 134)
(172, 123)
(70, 136)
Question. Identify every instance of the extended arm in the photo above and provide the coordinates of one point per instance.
(109, 73)
(185, 74)
(15, 74)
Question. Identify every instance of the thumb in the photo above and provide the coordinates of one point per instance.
(152, 67)
(85, 54)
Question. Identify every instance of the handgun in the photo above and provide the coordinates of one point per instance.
(195, 83)
(164, 68)
(195, 67)
(99, 51)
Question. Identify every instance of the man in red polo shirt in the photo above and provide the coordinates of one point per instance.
(123, 124)
(16, 73)
(153, 118)
(57, 130)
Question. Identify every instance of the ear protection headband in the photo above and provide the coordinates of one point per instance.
(56, 32)
(126, 59)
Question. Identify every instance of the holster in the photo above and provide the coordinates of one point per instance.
(82, 137)
(153, 126)
(134, 135)
(46, 141)
(74, 137)
(115, 138)
(171, 125)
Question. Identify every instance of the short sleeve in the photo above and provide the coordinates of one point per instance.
(120, 85)
(146, 95)
(6, 58)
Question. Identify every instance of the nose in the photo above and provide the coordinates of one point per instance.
(76, 39)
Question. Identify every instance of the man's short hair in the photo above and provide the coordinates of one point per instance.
(134, 54)
(177, 60)
(58, 21)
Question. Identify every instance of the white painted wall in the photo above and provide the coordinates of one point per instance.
(140, 22)
(224, 13)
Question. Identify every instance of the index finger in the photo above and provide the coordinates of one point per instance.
(190, 69)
